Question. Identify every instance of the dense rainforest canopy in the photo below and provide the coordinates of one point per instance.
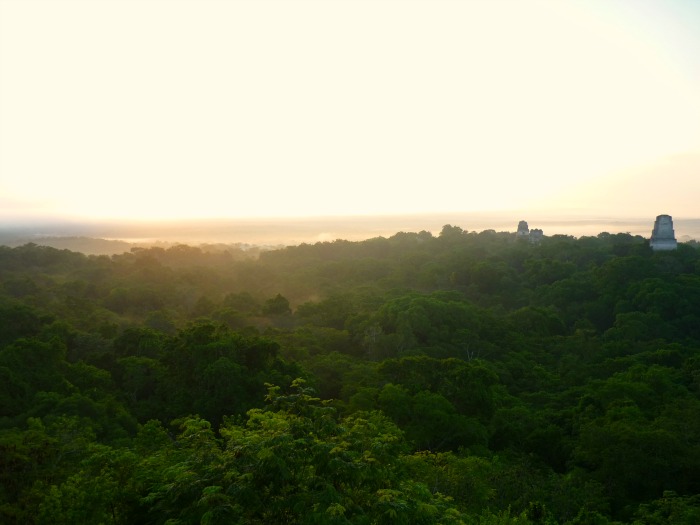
(462, 378)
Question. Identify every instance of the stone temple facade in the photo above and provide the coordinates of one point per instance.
(525, 233)
(523, 230)
(536, 235)
(662, 236)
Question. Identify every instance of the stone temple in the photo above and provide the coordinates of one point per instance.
(536, 235)
(662, 236)
(523, 230)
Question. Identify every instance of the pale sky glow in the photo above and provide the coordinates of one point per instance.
(205, 108)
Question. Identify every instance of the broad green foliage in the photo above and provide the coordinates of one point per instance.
(460, 378)
(294, 462)
(278, 305)
(671, 509)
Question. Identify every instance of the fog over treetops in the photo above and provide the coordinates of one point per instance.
(117, 237)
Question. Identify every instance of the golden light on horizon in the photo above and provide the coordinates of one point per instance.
(203, 109)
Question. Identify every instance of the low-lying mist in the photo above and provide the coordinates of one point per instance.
(118, 237)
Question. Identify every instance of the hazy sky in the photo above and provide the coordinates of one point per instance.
(205, 108)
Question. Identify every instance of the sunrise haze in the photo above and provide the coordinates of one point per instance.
(207, 109)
